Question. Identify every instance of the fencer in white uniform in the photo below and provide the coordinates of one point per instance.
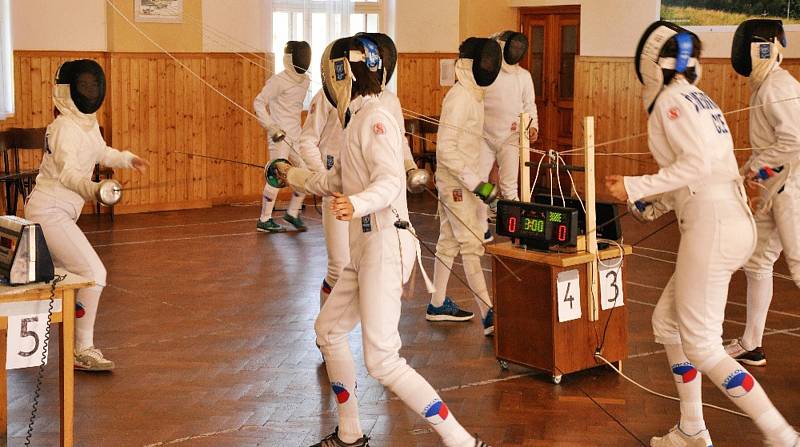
(459, 181)
(320, 142)
(511, 94)
(690, 140)
(73, 147)
(772, 171)
(368, 185)
(278, 107)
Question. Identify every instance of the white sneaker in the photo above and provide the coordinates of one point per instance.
(677, 438)
(91, 359)
(735, 348)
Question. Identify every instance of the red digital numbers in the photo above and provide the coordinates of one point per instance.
(512, 224)
(562, 233)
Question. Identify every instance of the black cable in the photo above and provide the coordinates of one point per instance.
(45, 343)
(602, 341)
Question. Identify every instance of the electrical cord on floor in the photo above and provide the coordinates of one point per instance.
(40, 375)
(665, 396)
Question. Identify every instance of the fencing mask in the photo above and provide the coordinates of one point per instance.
(757, 48)
(337, 70)
(388, 52)
(665, 50)
(82, 81)
(297, 55)
(515, 46)
(486, 57)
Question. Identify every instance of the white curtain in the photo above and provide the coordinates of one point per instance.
(318, 22)
(6, 62)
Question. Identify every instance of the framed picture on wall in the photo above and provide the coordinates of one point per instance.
(162, 11)
(722, 13)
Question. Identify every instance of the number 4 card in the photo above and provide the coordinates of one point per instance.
(611, 295)
(25, 340)
(569, 296)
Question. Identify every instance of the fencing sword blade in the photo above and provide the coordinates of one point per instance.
(227, 160)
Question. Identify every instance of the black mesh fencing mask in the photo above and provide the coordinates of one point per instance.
(486, 56)
(87, 83)
(515, 46)
(301, 55)
(388, 51)
(766, 34)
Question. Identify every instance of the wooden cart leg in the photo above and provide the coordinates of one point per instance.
(3, 386)
(67, 373)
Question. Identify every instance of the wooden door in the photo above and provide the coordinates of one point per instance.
(554, 35)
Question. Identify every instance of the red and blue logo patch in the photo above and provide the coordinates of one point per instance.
(342, 395)
(436, 412)
(739, 383)
(79, 310)
(684, 372)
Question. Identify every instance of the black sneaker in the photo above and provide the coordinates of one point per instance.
(479, 443)
(756, 357)
(332, 440)
(488, 237)
(448, 311)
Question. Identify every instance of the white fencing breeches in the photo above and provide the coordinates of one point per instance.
(369, 291)
(460, 231)
(71, 251)
(507, 157)
(337, 242)
(777, 232)
(717, 237)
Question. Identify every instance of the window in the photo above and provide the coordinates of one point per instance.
(6, 62)
(318, 22)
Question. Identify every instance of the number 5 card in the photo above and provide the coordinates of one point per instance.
(25, 340)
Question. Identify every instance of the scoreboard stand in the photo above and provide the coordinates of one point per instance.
(557, 311)
(531, 326)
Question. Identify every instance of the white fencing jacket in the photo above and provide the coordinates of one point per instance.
(509, 95)
(280, 103)
(691, 142)
(775, 121)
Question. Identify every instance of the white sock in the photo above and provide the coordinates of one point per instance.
(87, 301)
(268, 197)
(296, 204)
(342, 376)
(744, 391)
(689, 382)
(420, 396)
(759, 297)
(441, 275)
(477, 282)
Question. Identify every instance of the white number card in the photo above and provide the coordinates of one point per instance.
(569, 296)
(25, 340)
(611, 295)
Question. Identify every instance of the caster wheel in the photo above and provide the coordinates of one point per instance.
(557, 379)
(503, 365)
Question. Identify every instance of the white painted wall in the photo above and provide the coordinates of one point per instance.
(608, 27)
(59, 25)
(427, 26)
(236, 25)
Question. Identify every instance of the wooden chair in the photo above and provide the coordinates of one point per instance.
(5, 145)
(102, 173)
(18, 181)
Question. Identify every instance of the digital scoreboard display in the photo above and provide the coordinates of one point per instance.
(536, 224)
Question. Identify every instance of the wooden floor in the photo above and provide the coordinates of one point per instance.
(211, 326)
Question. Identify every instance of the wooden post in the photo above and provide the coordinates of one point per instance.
(591, 219)
(66, 371)
(524, 158)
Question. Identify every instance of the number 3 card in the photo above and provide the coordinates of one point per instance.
(611, 284)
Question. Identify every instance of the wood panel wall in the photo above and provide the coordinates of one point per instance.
(418, 82)
(608, 89)
(157, 108)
